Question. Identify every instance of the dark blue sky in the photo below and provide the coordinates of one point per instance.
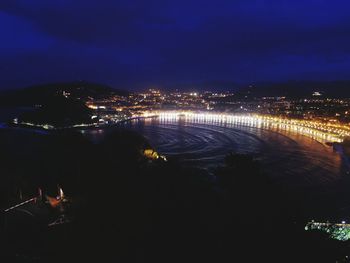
(136, 44)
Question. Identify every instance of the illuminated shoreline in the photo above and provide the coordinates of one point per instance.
(322, 132)
(319, 131)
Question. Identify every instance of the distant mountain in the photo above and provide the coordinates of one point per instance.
(215, 85)
(299, 89)
(42, 93)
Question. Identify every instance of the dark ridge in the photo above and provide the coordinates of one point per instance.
(299, 89)
(59, 111)
(40, 94)
(214, 85)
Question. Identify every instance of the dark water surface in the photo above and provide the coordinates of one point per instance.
(286, 156)
(297, 163)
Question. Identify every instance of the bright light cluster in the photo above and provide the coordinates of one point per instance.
(323, 132)
(336, 231)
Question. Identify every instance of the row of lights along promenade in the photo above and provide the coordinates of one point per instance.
(320, 131)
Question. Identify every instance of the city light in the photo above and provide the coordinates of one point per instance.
(322, 132)
(339, 232)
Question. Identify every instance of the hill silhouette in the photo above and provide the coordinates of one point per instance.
(298, 89)
(40, 94)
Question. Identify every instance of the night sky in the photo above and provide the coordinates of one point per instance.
(139, 44)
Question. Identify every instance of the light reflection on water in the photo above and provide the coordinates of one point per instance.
(291, 159)
(294, 161)
(285, 154)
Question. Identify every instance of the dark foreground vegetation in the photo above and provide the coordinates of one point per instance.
(127, 208)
